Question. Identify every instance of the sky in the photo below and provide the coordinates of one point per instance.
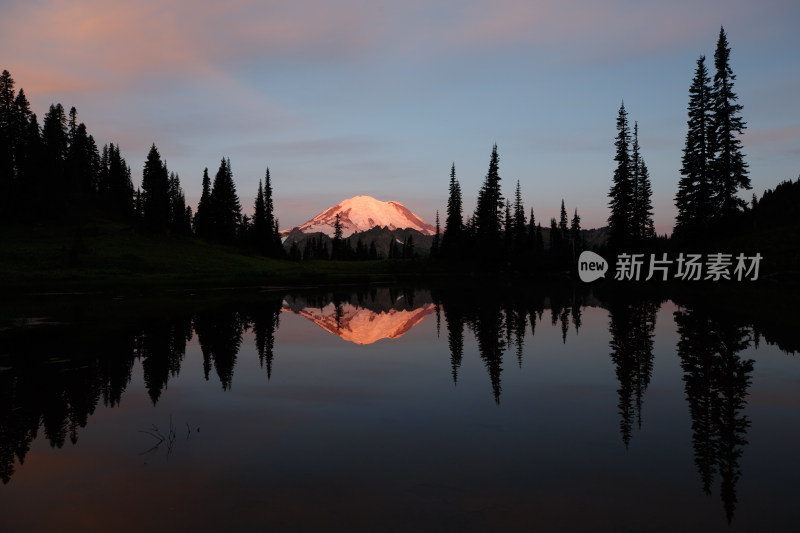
(380, 98)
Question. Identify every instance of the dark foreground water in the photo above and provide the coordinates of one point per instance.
(389, 410)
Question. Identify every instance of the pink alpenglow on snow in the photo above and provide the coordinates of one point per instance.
(363, 213)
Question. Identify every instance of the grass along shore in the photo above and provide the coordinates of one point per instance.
(103, 256)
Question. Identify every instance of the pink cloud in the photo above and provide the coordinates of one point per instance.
(59, 46)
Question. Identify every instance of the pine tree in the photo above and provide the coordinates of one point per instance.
(7, 139)
(563, 225)
(55, 145)
(645, 229)
(122, 185)
(30, 171)
(575, 235)
(534, 238)
(641, 219)
(155, 193)
(260, 230)
(78, 162)
(538, 242)
(555, 236)
(694, 197)
(337, 247)
(519, 228)
(178, 223)
(435, 244)
(202, 218)
(489, 211)
(225, 207)
(7, 119)
(621, 190)
(508, 230)
(452, 240)
(274, 247)
(729, 167)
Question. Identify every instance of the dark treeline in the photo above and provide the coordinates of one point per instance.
(714, 172)
(499, 322)
(55, 172)
(501, 235)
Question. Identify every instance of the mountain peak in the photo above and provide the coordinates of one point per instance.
(362, 213)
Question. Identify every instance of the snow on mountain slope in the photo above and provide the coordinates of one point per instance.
(362, 213)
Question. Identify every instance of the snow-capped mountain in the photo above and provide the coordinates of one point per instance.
(362, 213)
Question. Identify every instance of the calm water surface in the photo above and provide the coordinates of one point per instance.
(398, 410)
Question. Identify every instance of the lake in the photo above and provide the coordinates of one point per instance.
(381, 409)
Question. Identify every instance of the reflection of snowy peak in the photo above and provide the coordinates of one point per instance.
(362, 213)
(361, 325)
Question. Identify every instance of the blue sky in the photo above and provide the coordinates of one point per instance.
(379, 98)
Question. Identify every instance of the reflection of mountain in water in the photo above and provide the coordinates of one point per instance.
(380, 316)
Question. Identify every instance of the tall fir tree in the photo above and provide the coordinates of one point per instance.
(7, 140)
(645, 229)
(273, 246)
(435, 245)
(9, 122)
(641, 212)
(452, 240)
(489, 211)
(259, 226)
(694, 198)
(155, 193)
(337, 244)
(575, 235)
(729, 167)
(621, 190)
(80, 175)
(55, 143)
(555, 236)
(202, 218)
(225, 207)
(563, 225)
(114, 187)
(179, 224)
(519, 229)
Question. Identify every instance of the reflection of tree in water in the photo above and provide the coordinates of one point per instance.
(632, 326)
(454, 318)
(219, 332)
(716, 382)
(161, 346)
(57, 381)
(487, 324)
(499, 321)
(265, 319)
(59, 378)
